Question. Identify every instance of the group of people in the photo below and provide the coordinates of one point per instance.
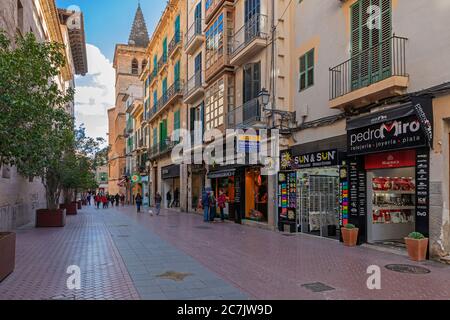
(105, 199)
(176, 198)
(209, 204)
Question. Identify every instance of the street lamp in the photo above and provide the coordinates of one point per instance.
(264, 97)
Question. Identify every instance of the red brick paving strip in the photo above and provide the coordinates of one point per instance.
(43, 255)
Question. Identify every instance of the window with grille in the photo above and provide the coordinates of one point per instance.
(214, 105)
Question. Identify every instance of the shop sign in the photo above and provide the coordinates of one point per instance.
(308, 160)
(344, 195)
(396, 159)
(248, 143)
(135, 178)
(401, 128)
(422, 191)
(170, 172)
(221, 174)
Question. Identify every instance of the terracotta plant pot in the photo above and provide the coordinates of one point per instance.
(417, 248)
(350, 236)
(71, 209)
(46, 218)
(7, 253)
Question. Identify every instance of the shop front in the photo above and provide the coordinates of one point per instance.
(309, 190)
(246, 190)
(198, 174)
(170, 176)
(389, 173)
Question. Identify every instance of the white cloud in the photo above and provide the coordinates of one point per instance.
(95, 93)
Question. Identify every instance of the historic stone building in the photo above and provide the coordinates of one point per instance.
(19, 196)
(129, 62)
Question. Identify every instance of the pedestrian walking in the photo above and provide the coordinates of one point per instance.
(117, 198)
(212, 207)
(205, 205)
(122, 199)
(138, 200)
(89, 199)
(111, 199)
(158, 200)
(176, 198)
(104, 200)
(169, 198)
(221, 201)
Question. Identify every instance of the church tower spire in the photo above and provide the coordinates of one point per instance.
(139, 34)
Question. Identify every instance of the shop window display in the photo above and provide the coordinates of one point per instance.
(256, 195)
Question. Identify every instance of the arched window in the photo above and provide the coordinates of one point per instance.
(135, 67)
(144, 64)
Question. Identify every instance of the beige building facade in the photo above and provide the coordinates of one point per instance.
(20, 197)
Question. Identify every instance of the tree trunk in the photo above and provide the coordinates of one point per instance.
(52, 190)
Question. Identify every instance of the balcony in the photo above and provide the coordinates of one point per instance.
(194, 37)
(172, 94)
(244, 116)
(175, 44)
(161, 149)
(212, 6)
(162, 63)
(375, 74)
(221, 63)
(153, 76)
(194, 88)
(249, 40)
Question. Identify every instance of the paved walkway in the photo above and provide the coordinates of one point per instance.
(125, 255)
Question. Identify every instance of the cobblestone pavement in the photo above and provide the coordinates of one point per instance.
(126, 255)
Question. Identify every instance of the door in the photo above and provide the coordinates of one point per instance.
(252, 18)
(164, 90)
(252, 87)
(165, 49)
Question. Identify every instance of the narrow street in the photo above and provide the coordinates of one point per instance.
(125, 255)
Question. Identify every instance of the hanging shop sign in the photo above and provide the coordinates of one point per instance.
(405, 127)
(326, 158)
(135, 178)
(248, 143)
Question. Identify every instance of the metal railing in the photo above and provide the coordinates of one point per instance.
(175, 89)
(175, 42)
(255, 28)
(194, 30)
(193, 83)
(244, 115)
(162, 62)
(384, 60)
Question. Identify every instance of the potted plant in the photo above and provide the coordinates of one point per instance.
(417, 245)
(350, 235)
(7, 253)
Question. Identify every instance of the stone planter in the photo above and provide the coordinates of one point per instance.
(350, 236)
(7, 254)
(46, 218)
(417, 248)
(71, 208)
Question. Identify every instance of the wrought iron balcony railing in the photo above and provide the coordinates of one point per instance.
(255, 28)
(245, 115)
(384, 60)
(194, 83)
(175, 42)
(162, 62)
(194, 30)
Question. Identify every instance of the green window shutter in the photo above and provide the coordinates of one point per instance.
(176, 124)
(177, 26)
(155, 137)
(306, 70)
(165, 49)
(371, 47)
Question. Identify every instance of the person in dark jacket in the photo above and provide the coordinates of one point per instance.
(138, 200)
(205, 204)
(117, 198)
(169, 198)
(158, 200)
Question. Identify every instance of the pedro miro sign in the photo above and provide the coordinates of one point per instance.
(308, 160)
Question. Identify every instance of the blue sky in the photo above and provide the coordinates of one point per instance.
(107, 22)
